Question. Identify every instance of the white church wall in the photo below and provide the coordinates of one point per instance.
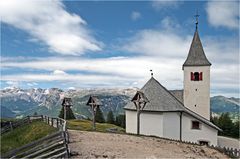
(171, 125)
(205, 133)
(151, 123)
(131, 121)
(197, 93)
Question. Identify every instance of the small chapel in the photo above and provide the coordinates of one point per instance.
(176, 114)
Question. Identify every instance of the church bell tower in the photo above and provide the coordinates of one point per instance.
(196, 70)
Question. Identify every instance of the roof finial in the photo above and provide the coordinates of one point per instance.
(197, 15)
(151, 73)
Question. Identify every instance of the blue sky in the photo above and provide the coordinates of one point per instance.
(84, 44)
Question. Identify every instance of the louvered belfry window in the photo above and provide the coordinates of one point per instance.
(200, 76)
(192, 76)
(196, 76)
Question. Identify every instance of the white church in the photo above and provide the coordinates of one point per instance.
(179, 114)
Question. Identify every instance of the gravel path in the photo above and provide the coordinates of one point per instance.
(108, 145)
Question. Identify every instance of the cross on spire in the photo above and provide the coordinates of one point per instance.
(197, 15)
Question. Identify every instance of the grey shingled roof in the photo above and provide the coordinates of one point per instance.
(67, 101)
(140, 97)
(161, 100)
(196, 55)
(178, 94)
(94, 100)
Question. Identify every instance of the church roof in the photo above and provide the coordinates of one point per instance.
(159, 98)
(196, 55)
(162, 100)
(178, 94)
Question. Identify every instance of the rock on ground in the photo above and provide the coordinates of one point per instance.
(108, 145)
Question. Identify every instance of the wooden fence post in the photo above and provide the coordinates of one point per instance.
(66, 143)
(232, 152)
(52, 121)
(57, 122)
(11, 125)
(28, 118)
(236, 152)
(48, 120)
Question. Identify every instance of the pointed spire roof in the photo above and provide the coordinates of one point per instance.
(196, 55)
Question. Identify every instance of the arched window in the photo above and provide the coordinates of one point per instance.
(196, 76)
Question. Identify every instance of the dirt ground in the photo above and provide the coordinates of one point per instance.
(109, 145)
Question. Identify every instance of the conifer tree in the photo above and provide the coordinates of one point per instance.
(225, 123)
(236, 129)
(110, 117)
(99, 116)
(120, 120)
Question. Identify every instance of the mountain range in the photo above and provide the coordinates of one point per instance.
(16, 102)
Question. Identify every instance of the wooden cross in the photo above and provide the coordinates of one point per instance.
(140, 101)
(94, 102)
(67, 103)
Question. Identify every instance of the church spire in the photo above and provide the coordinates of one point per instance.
(196, 55)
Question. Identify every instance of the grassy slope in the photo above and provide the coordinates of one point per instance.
(23, 135)
(87, 126)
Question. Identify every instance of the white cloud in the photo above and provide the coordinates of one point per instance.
(160, 4)
(71, 88)
(163, 42)
(162, 50)
(169, 24)
(83, 79)
(48, 22)
(125, 72)
(223, 50)
(158, 43)
(122, 71)
(223, 14)
(31, 84)
(135, 15)
(12, 83)
(121, 66)
(59, 72)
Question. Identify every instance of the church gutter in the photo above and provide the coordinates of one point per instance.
(180, 126)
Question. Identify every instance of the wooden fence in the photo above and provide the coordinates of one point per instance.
(52, 146)
(233, 153)
(14, 124)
